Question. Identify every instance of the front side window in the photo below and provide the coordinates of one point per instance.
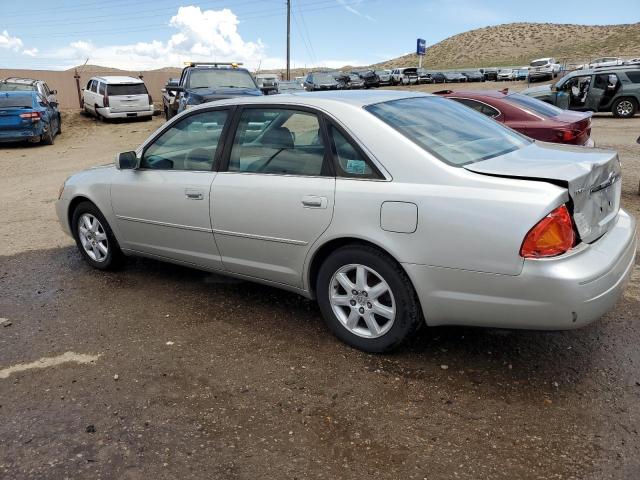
(94, 85)
(452, 132)
(278, 141)
(190, 144)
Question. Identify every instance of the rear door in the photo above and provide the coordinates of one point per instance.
(274, 195)
(162, 208)
(128, 97)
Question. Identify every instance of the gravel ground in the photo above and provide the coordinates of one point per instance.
(177, 373)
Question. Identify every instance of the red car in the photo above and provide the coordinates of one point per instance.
(529, 116)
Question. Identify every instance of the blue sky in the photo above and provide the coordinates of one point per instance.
(155, 33)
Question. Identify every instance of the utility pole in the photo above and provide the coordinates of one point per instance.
(288, 39)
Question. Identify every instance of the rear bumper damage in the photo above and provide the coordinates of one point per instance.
(557, 293)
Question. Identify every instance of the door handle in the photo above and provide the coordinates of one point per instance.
(313, 201)
(193, 195)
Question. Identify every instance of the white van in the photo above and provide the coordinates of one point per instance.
(117, 97)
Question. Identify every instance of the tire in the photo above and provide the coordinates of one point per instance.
(167, 114)
(399, 303)
(49, 137)
(59, 124)
(625, 107)
(101, 234)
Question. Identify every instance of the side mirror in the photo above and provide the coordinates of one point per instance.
(54, 92)
(176, 88)
(127, 160)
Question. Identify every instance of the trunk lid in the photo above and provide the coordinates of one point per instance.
(591, 176)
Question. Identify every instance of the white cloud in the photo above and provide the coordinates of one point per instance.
(354, 7)
(8, 42)
(210, 35)
(32, 52)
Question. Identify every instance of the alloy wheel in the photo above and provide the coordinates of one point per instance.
(624, 108)
(93, 237)
(362, 301)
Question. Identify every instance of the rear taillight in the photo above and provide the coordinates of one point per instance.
(33, 116)
(105, 100)
(568, 135)
(553, 235)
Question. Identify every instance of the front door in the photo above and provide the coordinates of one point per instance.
(274, 195)
(162, 208)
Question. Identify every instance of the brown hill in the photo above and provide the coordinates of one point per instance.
(517, 43)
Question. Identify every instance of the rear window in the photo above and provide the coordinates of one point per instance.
(536, 106)
(16, 101)
(127, 89)
(452, 132)
(539, 63)
(16, 87)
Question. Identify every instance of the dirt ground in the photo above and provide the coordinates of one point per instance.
(179, 374)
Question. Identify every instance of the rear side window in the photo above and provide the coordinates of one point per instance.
(535, 105)
(350, 161)
(126, 89)
(278, 141)
(101, 88)
(478, 106)
(634, 76)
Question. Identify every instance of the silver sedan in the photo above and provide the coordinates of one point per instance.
(393, 209)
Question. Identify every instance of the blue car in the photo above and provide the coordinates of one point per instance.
(27, 115)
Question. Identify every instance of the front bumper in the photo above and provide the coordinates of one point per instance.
(62, 210)
(557, 293)
(107, 113)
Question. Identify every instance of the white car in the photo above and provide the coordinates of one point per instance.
(542, 68)
(506, 74)
(117, 97)
(605, 62)
(404, 76)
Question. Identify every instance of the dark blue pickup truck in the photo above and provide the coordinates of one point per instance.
(202, 82)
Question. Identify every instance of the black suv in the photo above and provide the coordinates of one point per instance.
(202, 82)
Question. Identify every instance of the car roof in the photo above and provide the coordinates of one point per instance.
(590, 71)
(26, 81)
(115, 79)
(326, 99)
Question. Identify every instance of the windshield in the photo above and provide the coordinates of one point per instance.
(381, 72)
(126, 89)
(16, 87)
(536, 106)
(452, 132)
(16, 101)
(539, 63)
(220, 78)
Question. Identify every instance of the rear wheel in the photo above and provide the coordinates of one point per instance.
(94, 238)
(59, 124)
(624, 108)
(366, 299)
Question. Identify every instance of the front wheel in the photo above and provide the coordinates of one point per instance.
(366, 299)
(624, 108)
(94, 238)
